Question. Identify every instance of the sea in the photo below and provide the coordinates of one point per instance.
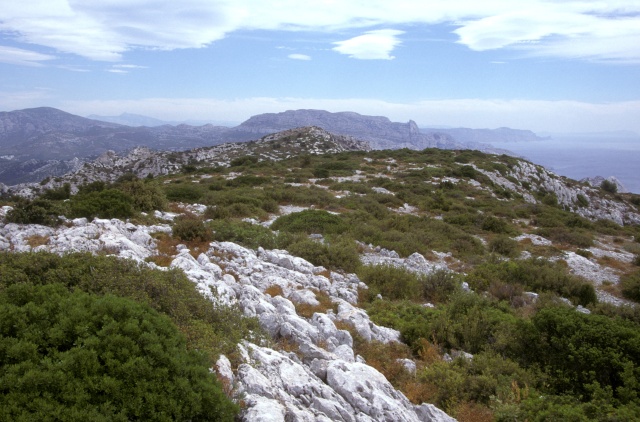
(589, 155)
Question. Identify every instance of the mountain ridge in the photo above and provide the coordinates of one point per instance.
(54, 138)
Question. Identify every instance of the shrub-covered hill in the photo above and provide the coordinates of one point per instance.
(482, 284)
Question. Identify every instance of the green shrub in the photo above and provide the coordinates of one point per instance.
(77, 356)
(38, 211)
(439, 285)
(602, 350)
(213, 330)
(582, 200)
(190, 229)
(61, 193)
(494, 225)
(320, 173)
(310, 221)
(538, 275)
(340, 254)
(577, 237)
(609, 186)
(243, 161)
(630, 285)
(584, 253)
(393, 283)
(96, 186)
(247, 234)
(504, 245)
(247, 180)
(147, 195)
(189, 193)
(108, 203)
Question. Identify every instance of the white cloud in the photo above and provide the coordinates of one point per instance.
(558, 31)
(105, 30)
(542, 116)
(22, 57)
(373, 45)
(129, 66)
(299, 57)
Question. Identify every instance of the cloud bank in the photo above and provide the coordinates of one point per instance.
(105, 30)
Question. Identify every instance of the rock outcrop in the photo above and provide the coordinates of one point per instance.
(525, 178)
(321, 380)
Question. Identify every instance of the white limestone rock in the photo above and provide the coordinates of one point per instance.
(360, 321)
(368, 391)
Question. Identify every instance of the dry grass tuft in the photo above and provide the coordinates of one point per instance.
(37, 240)
(307, 311)
(274, 290)
(473, 412)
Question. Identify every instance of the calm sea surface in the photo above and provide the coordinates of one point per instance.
(577, 157)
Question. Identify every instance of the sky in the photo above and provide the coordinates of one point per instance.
(543, 65)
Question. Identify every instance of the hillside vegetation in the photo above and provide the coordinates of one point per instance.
(530, 314)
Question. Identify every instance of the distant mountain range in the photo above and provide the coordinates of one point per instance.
(41, 142)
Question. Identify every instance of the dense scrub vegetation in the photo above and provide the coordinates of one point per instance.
(534, 357)
(71, 355)
(213, 330)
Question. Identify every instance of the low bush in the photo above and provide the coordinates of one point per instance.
(191, 229)
(504, 245)
(147, 195)
(246, 160)
(335, 254)
(248, 180)
(310, 221)
(210, 329)
(38, 211)
(246, 234)
(630, 285)
(392, 283)
(538, 275)
(577, 237)
(107, 203)
(188, 193)
(61, 193)
(609, 186)
(80, 356)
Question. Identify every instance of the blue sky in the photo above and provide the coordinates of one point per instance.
(559, 66)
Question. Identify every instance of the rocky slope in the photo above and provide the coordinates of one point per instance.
(145, 162)
(320, 380)
(521, 178)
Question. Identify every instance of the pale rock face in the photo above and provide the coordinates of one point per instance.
(368, 391)
(534, 238)
(360, 321)
(415, 262)
(111, 236)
